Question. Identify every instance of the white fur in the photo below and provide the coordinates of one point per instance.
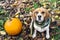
(42, 30)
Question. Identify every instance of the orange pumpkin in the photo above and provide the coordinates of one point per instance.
(13, 26)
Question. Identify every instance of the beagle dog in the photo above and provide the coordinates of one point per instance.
(40, 21)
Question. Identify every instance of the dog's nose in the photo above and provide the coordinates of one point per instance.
(39, 17)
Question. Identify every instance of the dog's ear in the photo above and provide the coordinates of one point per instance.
(32, 14)
(48, 15)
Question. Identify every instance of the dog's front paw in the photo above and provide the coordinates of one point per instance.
(33, 36)
(47, 36)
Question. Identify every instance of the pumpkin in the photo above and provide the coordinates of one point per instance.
(13, 26)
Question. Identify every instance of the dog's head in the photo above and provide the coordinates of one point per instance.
(40, 14)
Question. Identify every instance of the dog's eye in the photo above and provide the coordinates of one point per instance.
(36, 12)
(43, 12)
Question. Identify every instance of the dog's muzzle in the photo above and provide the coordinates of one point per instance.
(39, 17)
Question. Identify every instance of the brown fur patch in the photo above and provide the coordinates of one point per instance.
(46, 14)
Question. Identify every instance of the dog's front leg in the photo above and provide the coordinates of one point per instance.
(31, 23)
(31, 26)
(34, 34)
(47, 33)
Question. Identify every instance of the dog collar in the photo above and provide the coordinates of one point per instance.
(44, 23)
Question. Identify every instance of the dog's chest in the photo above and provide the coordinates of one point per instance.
(38, 28)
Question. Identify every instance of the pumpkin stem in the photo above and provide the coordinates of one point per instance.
(10, 16)
(10, 19)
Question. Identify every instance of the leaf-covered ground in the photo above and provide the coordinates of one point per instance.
(22, 9)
